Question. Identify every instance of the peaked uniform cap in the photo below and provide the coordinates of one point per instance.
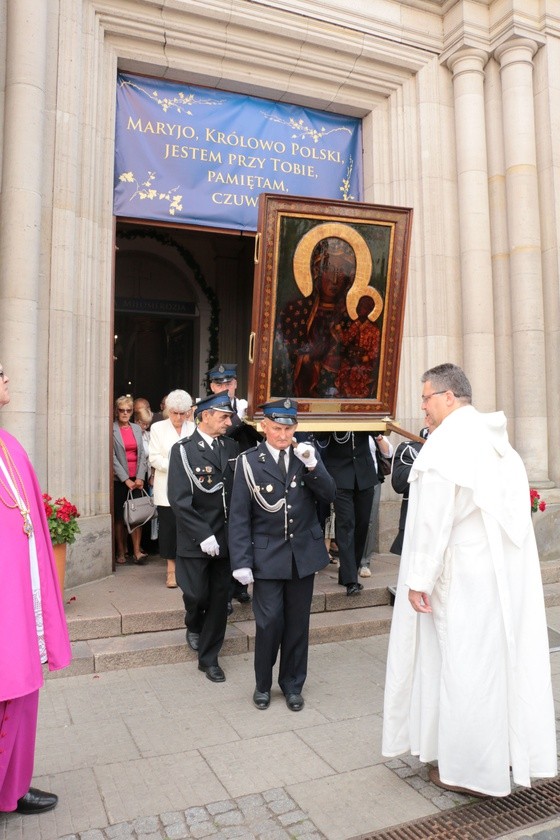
(281, 411)
(217, 402)
(222, 372)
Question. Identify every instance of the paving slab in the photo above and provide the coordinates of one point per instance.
(150, 786)
(82, 746)
(346, 805)
(346, 744)
(256, 764)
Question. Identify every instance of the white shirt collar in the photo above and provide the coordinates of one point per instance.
(206, 438)
(276, 452)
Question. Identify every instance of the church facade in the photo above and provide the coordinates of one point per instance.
(459, 103)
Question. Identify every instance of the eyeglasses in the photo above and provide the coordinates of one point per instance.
(126, 410)
(427, 397)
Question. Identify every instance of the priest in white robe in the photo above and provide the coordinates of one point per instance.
(468, 672)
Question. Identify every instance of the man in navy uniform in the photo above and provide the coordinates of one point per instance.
(199, 487)
(222, 378)
(276, 543)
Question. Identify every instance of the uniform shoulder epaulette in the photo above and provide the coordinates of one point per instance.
(248, 451)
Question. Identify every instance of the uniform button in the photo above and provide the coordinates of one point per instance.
(291, 536)
(290, 521)
(289, 507)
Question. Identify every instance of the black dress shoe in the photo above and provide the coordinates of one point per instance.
(213, 672)
(36, 802)
(354, 588)
(243, 598)
(261, 699)
(229, 608)
(295, 702)
(193, 639)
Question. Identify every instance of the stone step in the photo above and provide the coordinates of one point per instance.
(131, 619)
(135, 600)
(169, 646)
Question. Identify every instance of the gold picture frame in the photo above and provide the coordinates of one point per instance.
(328, 309)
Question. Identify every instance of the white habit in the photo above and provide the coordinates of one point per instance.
(468, 685)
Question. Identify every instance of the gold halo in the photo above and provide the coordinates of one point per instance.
(360, 287)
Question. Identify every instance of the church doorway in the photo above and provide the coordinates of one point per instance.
(183, 300)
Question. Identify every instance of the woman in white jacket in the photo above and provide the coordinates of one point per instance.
(163, 434)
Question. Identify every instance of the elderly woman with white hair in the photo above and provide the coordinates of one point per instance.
(163, 434)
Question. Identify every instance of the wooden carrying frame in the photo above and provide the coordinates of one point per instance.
(328, 309)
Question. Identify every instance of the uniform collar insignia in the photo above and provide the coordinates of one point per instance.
(201, 444)
(262, 457)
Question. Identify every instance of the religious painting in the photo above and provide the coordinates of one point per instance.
(328, 307)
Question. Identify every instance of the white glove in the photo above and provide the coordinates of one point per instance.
(210, 546)
(306, 454)
(243, 576)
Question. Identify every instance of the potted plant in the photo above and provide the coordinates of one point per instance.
(62, 518)
(536, 502)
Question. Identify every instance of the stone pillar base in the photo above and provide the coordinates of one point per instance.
(91, 556)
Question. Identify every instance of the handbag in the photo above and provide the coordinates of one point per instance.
(138, 510)
(384, 464)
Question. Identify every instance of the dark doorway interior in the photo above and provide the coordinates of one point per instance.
(152, 355)
(182, 297)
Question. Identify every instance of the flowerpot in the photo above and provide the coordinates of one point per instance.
(60, 560)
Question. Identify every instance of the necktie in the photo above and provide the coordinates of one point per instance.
(282, 463)
(216, 446)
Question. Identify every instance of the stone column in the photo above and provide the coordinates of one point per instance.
(467, 67)
(499, 237)
(20, 210)
(523, 224)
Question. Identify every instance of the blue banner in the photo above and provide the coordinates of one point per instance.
(193, 155)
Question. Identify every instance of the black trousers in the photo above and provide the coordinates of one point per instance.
(204, 582)
(281, 609)
(352, 511)
(236, 588)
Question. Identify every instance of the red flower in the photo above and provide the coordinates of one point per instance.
(62, 518)
(536, 502)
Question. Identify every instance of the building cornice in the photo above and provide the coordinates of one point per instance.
(242, 45)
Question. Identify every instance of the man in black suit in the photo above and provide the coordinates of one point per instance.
(349, 460)
(276, 543)
(222, 378)
(199, 487)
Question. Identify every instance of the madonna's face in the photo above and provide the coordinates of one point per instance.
(334, 267)
(333, 276)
